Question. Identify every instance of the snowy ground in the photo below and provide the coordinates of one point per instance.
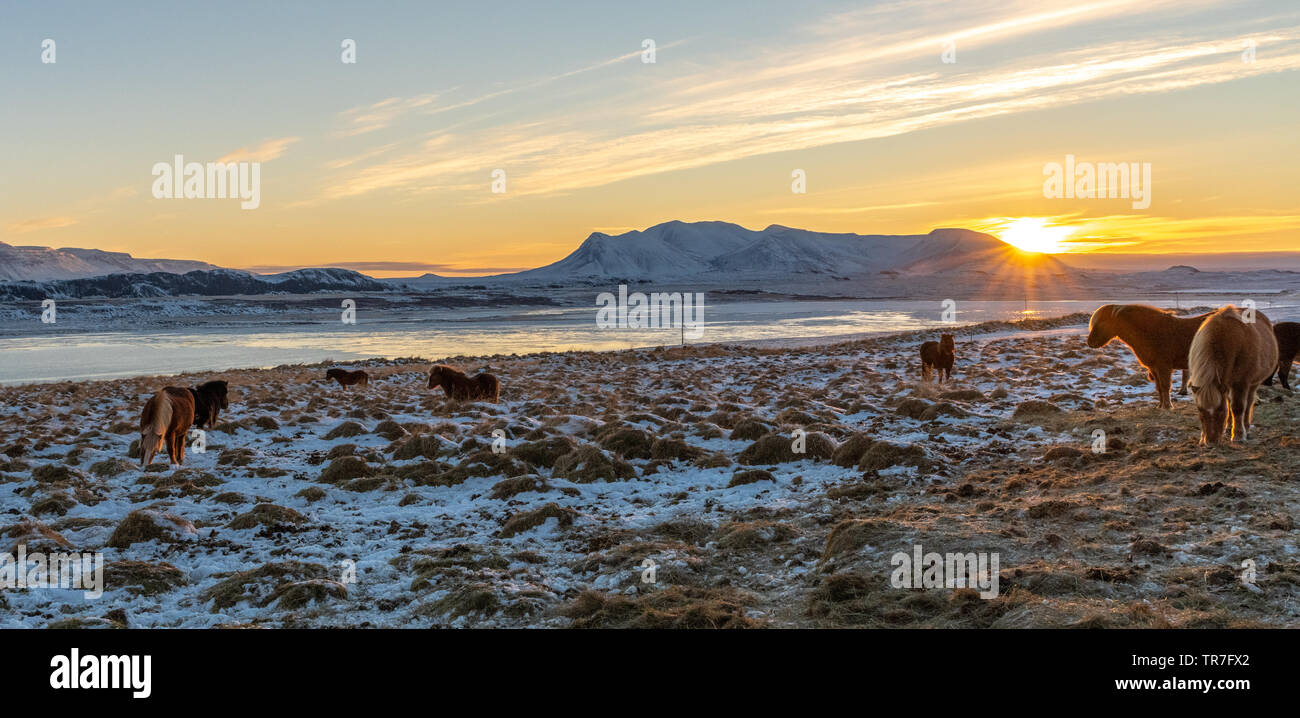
(679, 458)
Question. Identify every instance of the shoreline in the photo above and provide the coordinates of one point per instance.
(986, 327)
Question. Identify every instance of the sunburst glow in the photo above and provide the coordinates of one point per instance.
(1032, 234)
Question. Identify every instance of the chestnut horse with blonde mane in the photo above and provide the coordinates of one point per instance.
(1159, 340)
(461, 387)
(166, 419)
(1231, 356)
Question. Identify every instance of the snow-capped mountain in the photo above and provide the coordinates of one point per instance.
(45, 263)
(212, 283)
(676, 251)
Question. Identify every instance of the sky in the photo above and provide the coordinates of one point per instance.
(900, 116)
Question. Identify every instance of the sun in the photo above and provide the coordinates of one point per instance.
(1031, 234)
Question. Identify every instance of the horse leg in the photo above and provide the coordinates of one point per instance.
(1183, 391)
(1164, 382)
(1283, 369)
(1238, 410)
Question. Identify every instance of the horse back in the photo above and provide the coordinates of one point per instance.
(182, 405)
(488, 385)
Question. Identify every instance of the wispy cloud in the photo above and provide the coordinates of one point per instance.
(382, 114)
(35, 225)
(829, 86)
(264, 152)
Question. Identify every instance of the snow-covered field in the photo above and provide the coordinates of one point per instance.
(599, 470)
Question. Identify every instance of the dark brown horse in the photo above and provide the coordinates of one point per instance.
(164, 422)
(937, 356)
(1159, 340)
(210, 399)
(1230, 358)
(347, 378)
(461, 387)
(1288, 345)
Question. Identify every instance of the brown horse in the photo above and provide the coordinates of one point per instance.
(164, 422)
(461, 387)
(347, 378)
(1229, 359)
(937, 355)
(210, 399)
(1288, 345)
(1159, 340)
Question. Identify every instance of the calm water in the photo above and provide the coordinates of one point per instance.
(53, 357)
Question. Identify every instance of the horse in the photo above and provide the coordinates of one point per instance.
(460, 387)
(347, 378)
(1159, 339)
(166, 418)
(937, 355)
(1288, 345)
(210, 399)
(1230, 357)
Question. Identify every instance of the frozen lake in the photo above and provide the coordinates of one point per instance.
(47, 354)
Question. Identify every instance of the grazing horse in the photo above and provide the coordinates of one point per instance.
(1159, 340)
(210, 399)
(347, 378)
(461, 387)
(937, 355)
(164, 422)
(1288, 345)
(1229, 359)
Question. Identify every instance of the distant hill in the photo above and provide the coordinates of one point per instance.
(211, 283)
(44, 263)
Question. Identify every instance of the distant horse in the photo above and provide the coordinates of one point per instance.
(937, 355)
(1159, 340)
(1288, 345)
(210, 399)
(461, 387)
(347, 378)
(164, 422)
(1229, 359)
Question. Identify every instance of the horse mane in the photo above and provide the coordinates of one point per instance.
(448, 370)
(1205, 371)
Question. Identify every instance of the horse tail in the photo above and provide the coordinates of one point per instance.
(154, 420)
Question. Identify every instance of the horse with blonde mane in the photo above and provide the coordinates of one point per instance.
(461, 387)
(165, 421)
(1159, 339)
(1231, 356)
